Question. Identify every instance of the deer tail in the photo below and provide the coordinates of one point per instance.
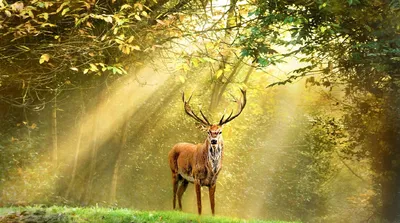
(173, 158)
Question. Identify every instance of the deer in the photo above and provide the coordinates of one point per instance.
(200, 164)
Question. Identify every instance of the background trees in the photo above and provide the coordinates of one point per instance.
(86, 120)
(354, 46)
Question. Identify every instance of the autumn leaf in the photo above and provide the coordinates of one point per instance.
(33, 126)
(8, 13)
(65, 11)
(160, 22)
(126, 6)
(182, 79)
(108, 19)
(135, 47)
(93, 67)
(18, 6)
(219, 73)
(44, 58)
(46, 16)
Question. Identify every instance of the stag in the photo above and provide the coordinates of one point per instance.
(200, 164)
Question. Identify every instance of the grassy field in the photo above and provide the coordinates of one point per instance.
(69, 214)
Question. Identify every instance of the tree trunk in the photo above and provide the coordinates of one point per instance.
(54, 130)
(114, 182)
(78, 146)
(93, 162)
(389, 160)
(87, 196)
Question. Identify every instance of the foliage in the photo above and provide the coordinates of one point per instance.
(355, 47)
(49, 45)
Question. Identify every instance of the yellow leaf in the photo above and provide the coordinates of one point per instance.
(182, 79)
(144, 13)
(108, 19)
(93, 67)
(126, 6)
(195, 62)
(33, 126)
(8, 13)
(85, 71)
(65, 11)
(160, 22)
(46, 16)
(138, 5)
(130, 39)
(219, 73)
(210, 45)
(62, 6)
(138, 17)
(74, 68)
(44, 58)
(227, 68)
(18, 6)
(136, 47)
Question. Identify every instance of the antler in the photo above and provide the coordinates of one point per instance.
(190, 112)
(241, 104)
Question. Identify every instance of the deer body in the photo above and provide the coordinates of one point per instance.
(191, 162)
(199, 164)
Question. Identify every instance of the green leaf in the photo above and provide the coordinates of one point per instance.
(262, 61)
(245, 52)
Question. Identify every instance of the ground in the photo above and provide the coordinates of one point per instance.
(58, 214)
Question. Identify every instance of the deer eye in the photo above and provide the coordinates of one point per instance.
(220, 133)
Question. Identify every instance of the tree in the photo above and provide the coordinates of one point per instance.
(354, 46)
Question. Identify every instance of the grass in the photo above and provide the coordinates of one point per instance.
(57, 214)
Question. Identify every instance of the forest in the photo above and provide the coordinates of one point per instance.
(91, 104)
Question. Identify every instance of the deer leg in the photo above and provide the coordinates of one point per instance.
(181, 190)
(198, 195)
(212, 197)
(175, 188)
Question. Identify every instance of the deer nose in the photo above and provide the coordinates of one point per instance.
(213, 141)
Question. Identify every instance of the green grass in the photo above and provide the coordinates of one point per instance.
(58, 214)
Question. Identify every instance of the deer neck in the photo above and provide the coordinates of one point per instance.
(214, 155)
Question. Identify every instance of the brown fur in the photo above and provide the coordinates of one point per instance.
(191, 161)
